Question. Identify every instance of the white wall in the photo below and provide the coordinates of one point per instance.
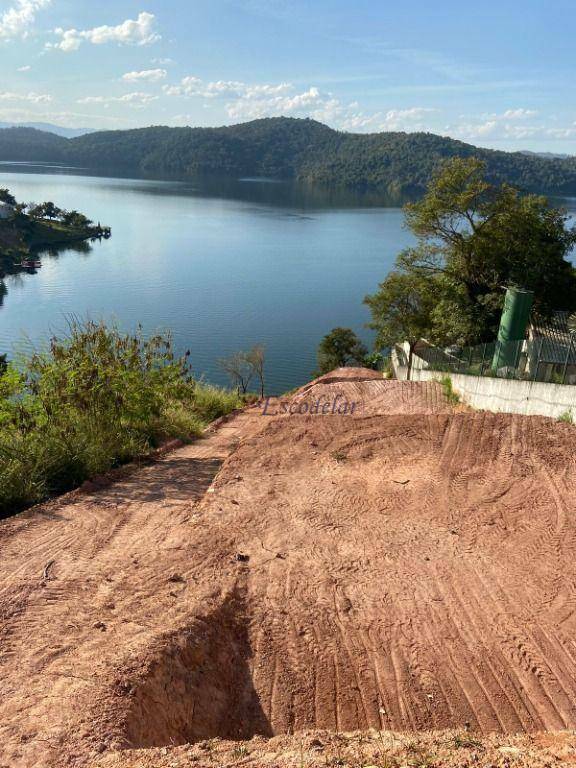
(533, 398)
(509, 395)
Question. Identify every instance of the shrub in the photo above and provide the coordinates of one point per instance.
(452, 397)
(212, 402)
(95, 399)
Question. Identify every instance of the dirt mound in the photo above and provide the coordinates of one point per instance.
(361, 392)
(399, 571)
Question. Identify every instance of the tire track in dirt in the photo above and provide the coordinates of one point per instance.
(404, 568)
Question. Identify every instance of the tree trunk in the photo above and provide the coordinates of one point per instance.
(410, 356)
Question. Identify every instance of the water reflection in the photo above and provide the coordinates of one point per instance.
(274, 192)
(224, 264)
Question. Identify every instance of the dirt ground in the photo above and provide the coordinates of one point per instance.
(402, 567)
(364, 749)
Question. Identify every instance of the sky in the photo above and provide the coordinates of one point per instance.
(497, 73)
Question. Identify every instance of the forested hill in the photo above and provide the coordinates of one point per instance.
(286, 148)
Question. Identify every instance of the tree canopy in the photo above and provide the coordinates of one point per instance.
(403, 309)
(474, 238)
(340, 348)
(7, 197)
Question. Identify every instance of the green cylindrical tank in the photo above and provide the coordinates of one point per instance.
(513, 325)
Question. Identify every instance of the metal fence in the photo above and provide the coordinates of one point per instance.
(539, 359)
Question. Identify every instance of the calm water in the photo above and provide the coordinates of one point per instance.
(224, 266)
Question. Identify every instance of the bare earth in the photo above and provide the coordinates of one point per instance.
(404, 568)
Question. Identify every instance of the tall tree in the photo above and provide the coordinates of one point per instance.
(479, 238)
(256, 358)
(338, 349)
(239, 370)
(402, 310)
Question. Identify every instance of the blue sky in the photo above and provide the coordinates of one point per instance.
(498, 73)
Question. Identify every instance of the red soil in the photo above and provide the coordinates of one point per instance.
(403, 568)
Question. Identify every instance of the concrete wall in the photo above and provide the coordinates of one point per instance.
(533, 398)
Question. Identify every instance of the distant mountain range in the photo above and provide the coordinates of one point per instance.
(59, 130)
(286, 148)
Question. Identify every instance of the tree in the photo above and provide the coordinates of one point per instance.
(75, 219)
(256, 358)
(19, 213)
(243, 366)
(35, 211)
(338, 349)
(239, 370)
(51, 211)
(402, 310)
(479, 238)
(7, 197)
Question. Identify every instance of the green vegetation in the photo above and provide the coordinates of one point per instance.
(96, 399)
(339, 348)
(288, 148)
(32, 227)
(474, 238)
(566, 417)
(402, 310)
(451, 397)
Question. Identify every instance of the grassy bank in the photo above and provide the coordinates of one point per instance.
(95, 399)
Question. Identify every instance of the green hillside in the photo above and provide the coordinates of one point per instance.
(287, 148)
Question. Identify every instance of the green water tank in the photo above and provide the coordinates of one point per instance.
(513, 325)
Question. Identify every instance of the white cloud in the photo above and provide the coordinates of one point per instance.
(194, 86)
(519, 114)
(25, 68)
(562, 133)
(131, 32)
(162, 62)
(412, 119)
(17, 21)
(34, 98)
(512, 124)
(246, 101)
(145, 75)
(136, 99)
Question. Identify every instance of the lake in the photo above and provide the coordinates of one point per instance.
(223, 265)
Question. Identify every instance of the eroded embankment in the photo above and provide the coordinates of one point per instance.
(407, 568)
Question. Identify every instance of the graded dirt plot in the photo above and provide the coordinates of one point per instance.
(318, 749)
(406, 569)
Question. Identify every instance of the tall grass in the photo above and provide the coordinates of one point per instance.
(95, 399)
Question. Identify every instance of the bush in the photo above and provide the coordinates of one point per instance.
(95, 399)
(451, 397)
